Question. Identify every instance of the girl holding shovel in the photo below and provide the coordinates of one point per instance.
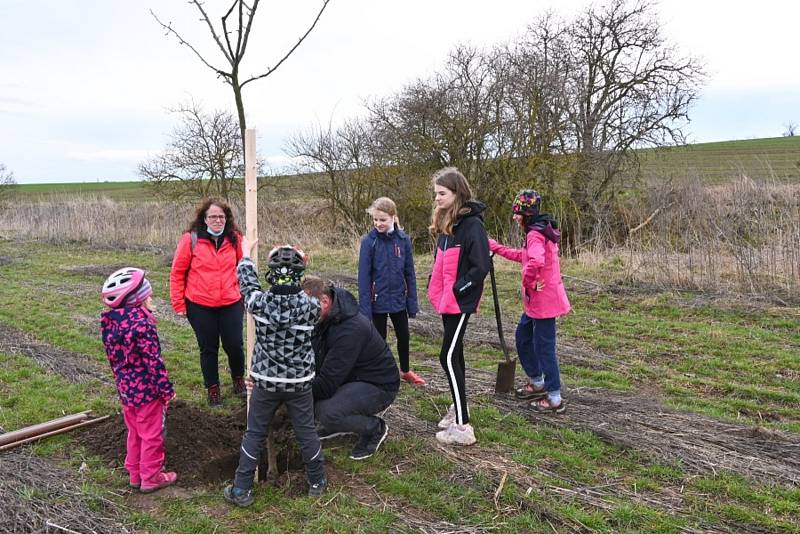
(544, 299)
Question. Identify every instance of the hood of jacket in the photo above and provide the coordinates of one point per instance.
(397, 233)
(547, 226)
(126, 317)
(344, 306)
(473, 208)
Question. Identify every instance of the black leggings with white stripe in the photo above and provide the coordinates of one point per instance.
(452, 360)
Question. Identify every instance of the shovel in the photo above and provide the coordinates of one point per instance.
(505, 369)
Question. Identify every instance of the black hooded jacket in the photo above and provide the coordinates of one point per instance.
(347, 348)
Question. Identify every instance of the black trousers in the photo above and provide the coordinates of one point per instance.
(212, 324)
(353, 407)
(400, 324)
(452, 360)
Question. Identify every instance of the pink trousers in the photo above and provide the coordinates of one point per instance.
(145, 457)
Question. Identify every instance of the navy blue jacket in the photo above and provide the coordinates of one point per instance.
(387, 282)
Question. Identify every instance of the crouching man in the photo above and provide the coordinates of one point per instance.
(356, 374)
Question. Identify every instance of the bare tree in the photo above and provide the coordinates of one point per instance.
(790, 128)
(627, 88)
(350, 170)
(203, 157)
(562, 109)
(7, 181)
(232, 39)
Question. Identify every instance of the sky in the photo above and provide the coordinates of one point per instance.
(86, 85)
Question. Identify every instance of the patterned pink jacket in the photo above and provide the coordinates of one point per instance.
(134, 352)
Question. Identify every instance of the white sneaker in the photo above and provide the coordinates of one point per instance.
(448, 419)
(457, 435)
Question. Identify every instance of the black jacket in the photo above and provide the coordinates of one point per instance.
(347, 348)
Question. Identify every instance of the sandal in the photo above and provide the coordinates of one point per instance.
(529, 391)
(545, 406)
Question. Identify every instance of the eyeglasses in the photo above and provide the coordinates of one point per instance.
(215, 217)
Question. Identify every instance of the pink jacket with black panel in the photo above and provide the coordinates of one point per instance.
(460, 265)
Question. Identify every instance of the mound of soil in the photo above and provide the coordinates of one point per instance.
(201, 447)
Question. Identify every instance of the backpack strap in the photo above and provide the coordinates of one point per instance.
(193, 236)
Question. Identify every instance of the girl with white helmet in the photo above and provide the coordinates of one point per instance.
(134, 352)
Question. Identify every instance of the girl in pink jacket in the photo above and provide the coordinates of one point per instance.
(544, 299)
(134, 352)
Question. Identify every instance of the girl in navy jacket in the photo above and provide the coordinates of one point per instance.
(387, 284)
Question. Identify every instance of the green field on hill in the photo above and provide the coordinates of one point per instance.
(120, 191)
(760, 159)
(775, 158)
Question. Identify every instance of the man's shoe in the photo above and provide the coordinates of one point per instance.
(238, 496)
(239, 387)
(412, 378)
(448, 419)
(214, 397)
(158, 481)
(457, 435)
(369, 445)
(317, 489)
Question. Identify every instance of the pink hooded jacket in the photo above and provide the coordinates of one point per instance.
(540, 263)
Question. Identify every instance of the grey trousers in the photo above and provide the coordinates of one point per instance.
(263, 405)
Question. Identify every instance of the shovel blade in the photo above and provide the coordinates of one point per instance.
(505, 376)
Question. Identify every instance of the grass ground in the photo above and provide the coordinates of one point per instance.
(717, 358)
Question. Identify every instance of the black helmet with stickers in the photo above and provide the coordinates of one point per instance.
(286, 265)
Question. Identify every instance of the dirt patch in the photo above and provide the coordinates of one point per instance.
(202, 447)
(73, 366)
(99, 271)
(36, 495)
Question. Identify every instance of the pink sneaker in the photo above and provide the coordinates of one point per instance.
(413, 378)
(161, 480)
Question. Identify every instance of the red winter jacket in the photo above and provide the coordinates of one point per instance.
(211, 279)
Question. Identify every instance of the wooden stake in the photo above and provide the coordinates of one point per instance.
(251, 225)
(41, 428)
(61, 430)
(251, 231)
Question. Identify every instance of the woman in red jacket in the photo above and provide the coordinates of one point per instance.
(204, 288)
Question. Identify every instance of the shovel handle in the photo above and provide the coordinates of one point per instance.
(497, 308)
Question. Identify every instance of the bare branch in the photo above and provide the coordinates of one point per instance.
(212, 30)
(289, 53)
(182, 41)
